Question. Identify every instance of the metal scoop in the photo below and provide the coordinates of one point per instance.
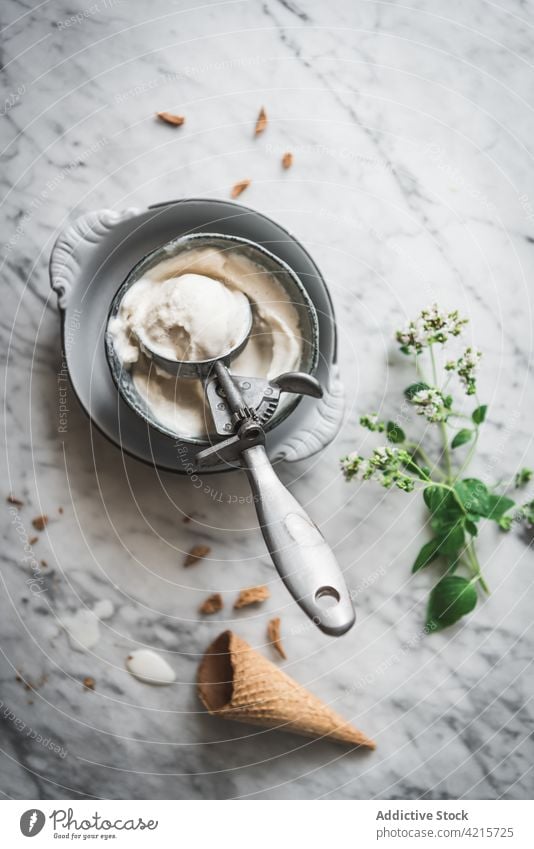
(240, 407)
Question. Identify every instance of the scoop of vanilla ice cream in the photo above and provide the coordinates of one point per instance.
(196, 305)
(189, 317)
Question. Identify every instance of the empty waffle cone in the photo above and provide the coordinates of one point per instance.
(237, 683)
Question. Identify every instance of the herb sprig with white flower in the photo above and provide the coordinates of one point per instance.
(456, 503)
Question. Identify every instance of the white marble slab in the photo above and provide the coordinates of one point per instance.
(411, 127)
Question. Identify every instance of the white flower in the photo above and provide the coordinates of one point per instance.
(351, 465)
(372, 422)
(466, 367)
(430, 403)
(431, 325)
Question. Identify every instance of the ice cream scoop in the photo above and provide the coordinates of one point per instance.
(242, 407)
(304, 560)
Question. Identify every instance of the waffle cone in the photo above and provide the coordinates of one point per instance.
(236, 682)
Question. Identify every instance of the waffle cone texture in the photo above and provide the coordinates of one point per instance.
(236, 682)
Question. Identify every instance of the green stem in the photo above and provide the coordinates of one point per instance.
(472, 450)
(416, 448)
(453, 414)
(475, 565)
(450, 488)
(470, 455)
(442, 425)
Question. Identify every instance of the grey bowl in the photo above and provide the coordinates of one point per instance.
(261, 257)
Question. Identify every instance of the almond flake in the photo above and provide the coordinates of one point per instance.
(252, 595)
(40, 523)
(169, 118)
(196, 554)
(261, 123)
(273, 635)
(212, 604)
(287, 160)
(239, 188)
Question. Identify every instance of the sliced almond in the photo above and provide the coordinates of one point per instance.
(212, 604)
(149, 667)
(197, 553)
(169, 118)
(40, 523)
(287, 160)
(261, 123)
(273, 635)
(239, 188)
(252, 595)
(11, 499)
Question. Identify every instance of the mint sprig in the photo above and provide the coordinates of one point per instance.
(457, 504)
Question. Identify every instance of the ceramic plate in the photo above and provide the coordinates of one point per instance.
(89, 262)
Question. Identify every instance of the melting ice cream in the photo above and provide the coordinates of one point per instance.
(194, 306)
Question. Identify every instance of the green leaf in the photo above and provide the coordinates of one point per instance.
(410, 391)
(462, 437)
(450, 599)
(479, 414)
(471, 527)
(447, 519)
(452, 538)
(474, 495)
(505, 523)
(438, 499)
(428, 553)
(523, 477)
(453, 562)
(395, 433)
(498, 505)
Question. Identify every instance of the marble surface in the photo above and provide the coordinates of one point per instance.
(411, 127)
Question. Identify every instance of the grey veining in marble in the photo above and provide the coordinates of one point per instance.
(411, 126)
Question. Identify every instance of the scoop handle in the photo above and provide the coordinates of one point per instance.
(304, 560)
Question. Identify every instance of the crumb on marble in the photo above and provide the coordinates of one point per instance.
(261, 123)
(287, 160)
(197, 553)
(40, 522)
(251, 595)
(273, 635)
(212, 604)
